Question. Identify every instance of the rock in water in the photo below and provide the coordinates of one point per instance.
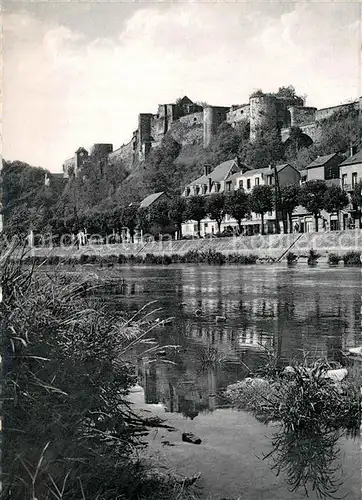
(188, 437)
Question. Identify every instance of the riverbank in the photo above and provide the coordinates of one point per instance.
(229, 457)
(241, 249)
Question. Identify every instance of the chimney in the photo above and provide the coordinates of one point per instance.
(206, 170)
(352, 150)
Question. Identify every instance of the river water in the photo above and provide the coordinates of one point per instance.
(290, 311)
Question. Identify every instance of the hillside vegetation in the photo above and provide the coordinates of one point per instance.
(27, 203)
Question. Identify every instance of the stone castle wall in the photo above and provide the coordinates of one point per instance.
(188, 124)
(237, 114)
(126, 155)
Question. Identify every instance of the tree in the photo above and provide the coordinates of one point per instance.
(130, 220)
(215, 207)
(335, 199)
(311, 197)
(261, 201)
(178, 213)
(196, 210)
(265, 149)
(143, 220)
(290, 93)
(237, 205)
(159, 217)
(159, 166)
(356, 199)
(228, 142)
(289, 201)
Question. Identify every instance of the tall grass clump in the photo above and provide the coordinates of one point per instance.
(69, 431)
(313, 412)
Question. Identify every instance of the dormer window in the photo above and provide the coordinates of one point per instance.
(197, 189)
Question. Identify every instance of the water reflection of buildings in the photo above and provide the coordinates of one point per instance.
(180, 392)
(285, 311)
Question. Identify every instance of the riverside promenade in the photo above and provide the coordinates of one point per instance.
(274, 246)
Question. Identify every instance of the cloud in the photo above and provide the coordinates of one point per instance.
(63, 89)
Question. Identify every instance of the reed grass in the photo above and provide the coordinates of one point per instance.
(70, 432)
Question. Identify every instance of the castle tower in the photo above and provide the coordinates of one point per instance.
(81, 157)
(144, 134)
(263, 113)
(214, 116)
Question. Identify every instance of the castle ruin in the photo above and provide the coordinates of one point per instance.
(192, 123)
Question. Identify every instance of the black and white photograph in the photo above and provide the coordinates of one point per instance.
(181, 250)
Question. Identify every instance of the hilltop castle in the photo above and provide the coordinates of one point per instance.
(191, 123)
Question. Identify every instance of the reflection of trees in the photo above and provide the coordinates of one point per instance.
(308, 459)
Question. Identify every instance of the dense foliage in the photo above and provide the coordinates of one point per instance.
(69, 430)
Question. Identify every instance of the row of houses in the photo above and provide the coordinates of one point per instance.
(231, 175)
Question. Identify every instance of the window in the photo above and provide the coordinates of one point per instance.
(217, 187)
(228, 188)
(257, 180)
(197, 190)
(195, 227)
(354, 179)
(241, 184)
(204, 189)
(270, 214)
(344, 179)
(248, 183)
(205, 225)
(269, 179)
(188, 192)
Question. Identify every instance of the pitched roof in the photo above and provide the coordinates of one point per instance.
(185, 100)
(322, 160)
(81, 150)
(219, 173)
(151, 198)
(357, 158)
(265, 170)
(233, 177)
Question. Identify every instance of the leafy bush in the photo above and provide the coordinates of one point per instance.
(333, 259)
(352, 259)
(291, 257)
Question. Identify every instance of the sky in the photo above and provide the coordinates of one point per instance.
(76, 73)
